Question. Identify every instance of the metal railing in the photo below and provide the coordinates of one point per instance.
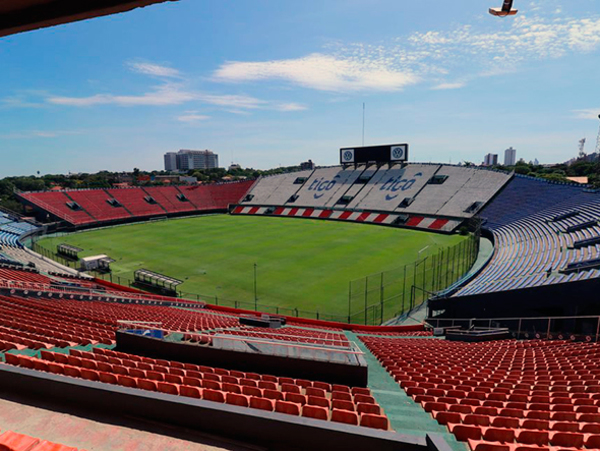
(325, 353)
(53, 210)
(85, 293)
(561, 327)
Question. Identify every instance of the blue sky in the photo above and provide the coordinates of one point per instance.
(277, 82)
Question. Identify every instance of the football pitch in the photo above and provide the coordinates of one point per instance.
(300, 263)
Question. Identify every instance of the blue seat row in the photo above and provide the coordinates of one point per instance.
(531, 245)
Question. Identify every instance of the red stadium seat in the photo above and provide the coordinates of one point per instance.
(127, 381)
(12, 441)
(237, 399)
(317, 412)
(213, 395)
(262, 403)
(190, 392)
(145, 384)
(374, 421)
(344, 416)
(287, 407)
(168, 388)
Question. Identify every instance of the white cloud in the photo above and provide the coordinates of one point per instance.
(590, 113)
(26, 134)
(525, 39)
(466, 52)
(172, 93)
(154, 70)
(167, 94)
(175, 94)
(443, 86)
(290, 107)
(234, 101)
(192, 116)
(319, 71)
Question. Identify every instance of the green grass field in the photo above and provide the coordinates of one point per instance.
(305, 264)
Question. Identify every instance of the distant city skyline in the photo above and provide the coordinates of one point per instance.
(275, 83)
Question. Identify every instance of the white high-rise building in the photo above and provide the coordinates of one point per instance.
(184, 160)
(170, 161)
(491, 159)
(510, 157)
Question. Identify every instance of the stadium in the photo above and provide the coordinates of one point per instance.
(381, 303)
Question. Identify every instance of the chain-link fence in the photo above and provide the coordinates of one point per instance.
(378, 297)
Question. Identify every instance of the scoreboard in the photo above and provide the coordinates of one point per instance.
(389, 153)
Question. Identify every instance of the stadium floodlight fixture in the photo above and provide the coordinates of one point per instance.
(506, 10)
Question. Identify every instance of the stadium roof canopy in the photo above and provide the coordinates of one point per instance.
(17, 16)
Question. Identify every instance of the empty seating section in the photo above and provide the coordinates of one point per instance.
(46, 323)
(417, 333)
(391, 185)
(14, 225)
(26, 256)
(276, 189)
(134, 200)
(95, 202)
(502, 395)
(326, 186)
(23, 276)
(40, 324)
(525, 196)
(167, 197)
(41, 333)
(64, 311)
(55, 203)
(365, 176)
(531, 250)
(291, 334)
(199, 196)
(298, 397)
(137, 202)
(11, 229)
(225, 194)
(8, 239)
(215, 197)
(425, 196)
(106, 316)
(462, 188)
(434, 197)
(6, 259)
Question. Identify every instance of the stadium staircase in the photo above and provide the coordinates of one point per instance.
(81, 208)
(157, 203)
(403, 413)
